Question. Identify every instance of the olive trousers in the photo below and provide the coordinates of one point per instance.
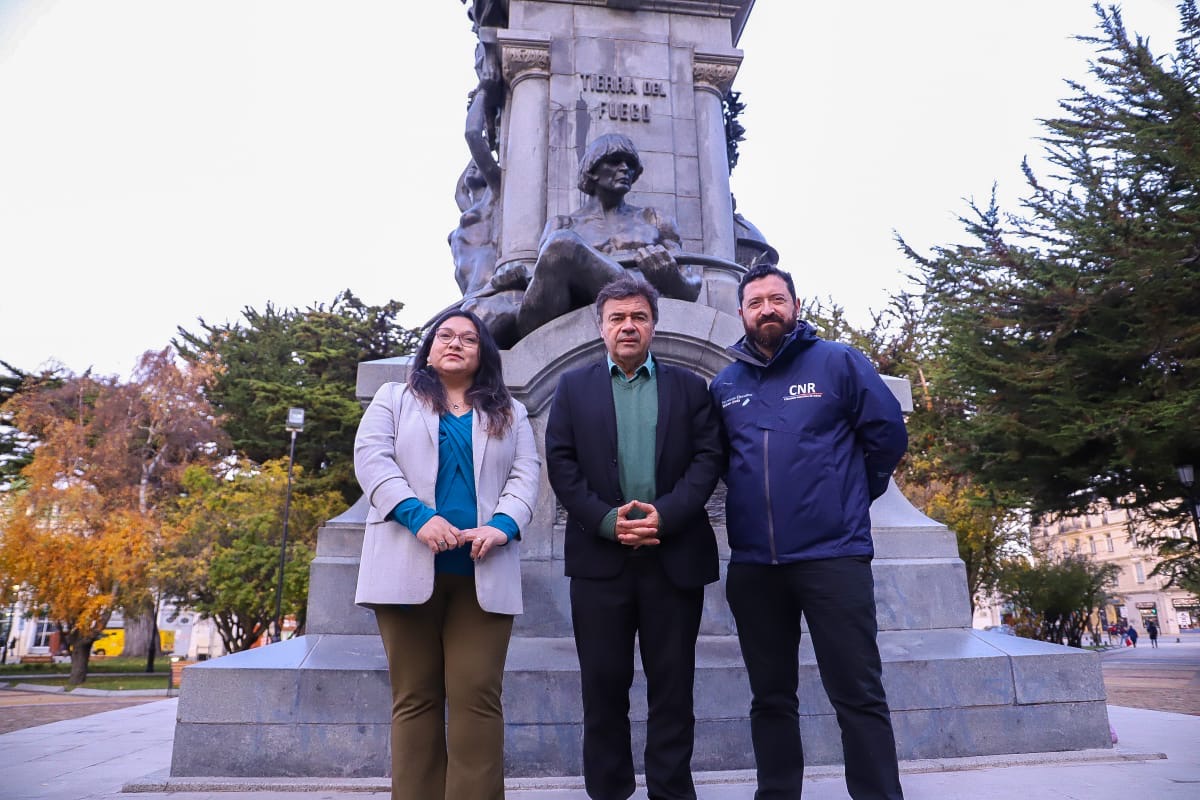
(447, 653)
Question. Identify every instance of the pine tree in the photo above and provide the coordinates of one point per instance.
(1071, 331)
(307, 358)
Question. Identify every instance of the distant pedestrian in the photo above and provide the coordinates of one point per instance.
(1132, 634)
(1152, 632)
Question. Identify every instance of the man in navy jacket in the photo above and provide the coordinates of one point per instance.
(813, 436)
(633, 452)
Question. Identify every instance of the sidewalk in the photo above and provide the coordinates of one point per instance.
(94, 757)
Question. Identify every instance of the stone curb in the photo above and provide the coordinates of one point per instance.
(85, 692)
(163, 782)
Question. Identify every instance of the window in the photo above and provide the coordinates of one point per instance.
(1141, 573)
(41, 636)
(1108, 542)
(1075, 546)
(1092, 544)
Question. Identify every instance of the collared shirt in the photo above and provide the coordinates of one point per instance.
(635, 400)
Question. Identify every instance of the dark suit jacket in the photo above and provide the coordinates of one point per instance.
(581, 459)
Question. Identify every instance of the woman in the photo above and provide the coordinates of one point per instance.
(450, 468)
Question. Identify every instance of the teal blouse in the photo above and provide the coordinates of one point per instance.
(454, 493)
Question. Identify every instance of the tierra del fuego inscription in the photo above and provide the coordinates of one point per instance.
(621, 85)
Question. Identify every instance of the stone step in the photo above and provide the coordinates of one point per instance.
(952, 692)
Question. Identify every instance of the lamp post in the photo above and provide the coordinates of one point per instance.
(1187, 476)
(295, 424)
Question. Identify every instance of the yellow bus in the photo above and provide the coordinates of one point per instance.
(112, 642)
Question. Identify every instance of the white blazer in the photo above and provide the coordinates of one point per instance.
(396, 457)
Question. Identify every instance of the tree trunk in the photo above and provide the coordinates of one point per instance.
(80, 652)
(140, 631)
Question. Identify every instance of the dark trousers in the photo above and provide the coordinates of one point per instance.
(606, 615)
(837, 599)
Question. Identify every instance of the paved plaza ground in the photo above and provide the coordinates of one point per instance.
(64, 747)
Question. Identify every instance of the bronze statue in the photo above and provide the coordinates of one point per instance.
(488, 13)
(581, 251)
(473, 244)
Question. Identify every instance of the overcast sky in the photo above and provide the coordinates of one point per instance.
(164, 160)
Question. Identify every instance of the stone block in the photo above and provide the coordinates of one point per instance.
(643, 61)
(562, 57)
(373, 374)
(921, 593)
(554, 18)
(292, 751)
(684, 131)
(546, 595)
(659, 177)
(331, 609)
(543, 750)
(690, 218)
(709, 34)
(595, 55)
(994, 730)
(683, 88)
(934, 542)
(644, 26)
(687, 176)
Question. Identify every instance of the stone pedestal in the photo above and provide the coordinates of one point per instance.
(319, 705)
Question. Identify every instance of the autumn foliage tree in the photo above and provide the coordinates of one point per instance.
(80, 531)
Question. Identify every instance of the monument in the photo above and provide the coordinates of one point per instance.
(557, 76)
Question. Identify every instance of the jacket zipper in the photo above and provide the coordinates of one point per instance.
(767, 488)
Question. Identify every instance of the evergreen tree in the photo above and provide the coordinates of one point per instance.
(1070, 331)
(900, 342)
(16, 446)
(278, 359)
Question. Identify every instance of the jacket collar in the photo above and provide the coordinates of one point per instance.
(800, 338)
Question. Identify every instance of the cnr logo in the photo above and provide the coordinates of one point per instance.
(797, 389)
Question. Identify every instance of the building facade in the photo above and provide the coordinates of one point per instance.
(1115, 536)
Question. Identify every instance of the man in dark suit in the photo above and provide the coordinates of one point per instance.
(633, 451)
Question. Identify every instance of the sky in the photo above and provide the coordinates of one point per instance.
(163, 161)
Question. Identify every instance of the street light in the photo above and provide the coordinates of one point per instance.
(295, 424)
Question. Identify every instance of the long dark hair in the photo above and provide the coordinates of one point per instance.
(487, 393)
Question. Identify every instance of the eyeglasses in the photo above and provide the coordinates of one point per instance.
(467, 340)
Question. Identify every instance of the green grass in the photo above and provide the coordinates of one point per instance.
(95, 665)
(112, 682)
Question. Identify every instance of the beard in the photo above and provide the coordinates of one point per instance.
(768, 339)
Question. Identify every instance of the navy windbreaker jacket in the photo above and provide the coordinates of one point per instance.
(813, 436)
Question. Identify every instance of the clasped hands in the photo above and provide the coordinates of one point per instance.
(440, 536)
(636, 533)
